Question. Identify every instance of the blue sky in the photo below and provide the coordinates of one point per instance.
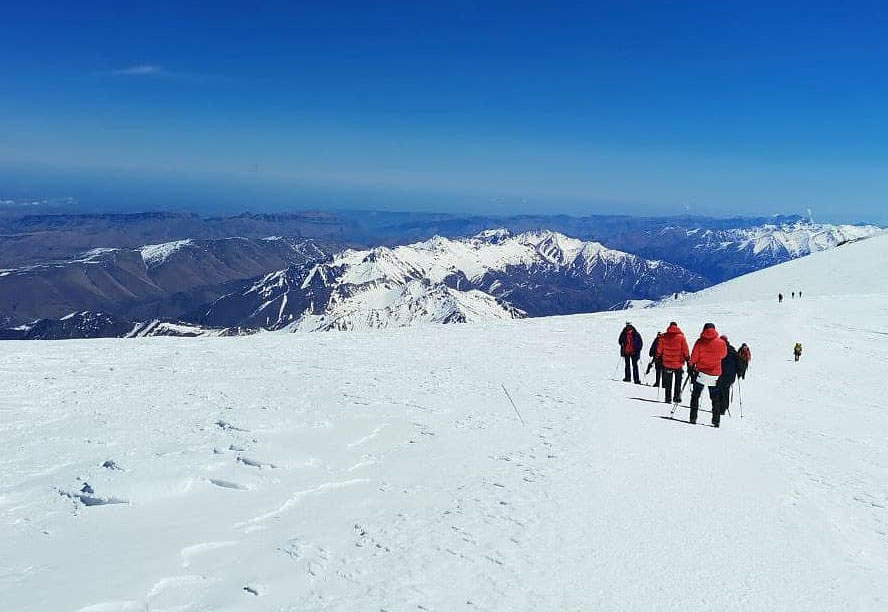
(490, 107)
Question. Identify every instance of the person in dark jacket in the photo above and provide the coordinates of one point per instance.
(656, 362)
(730, 367)
(630, 348)
(744, 357)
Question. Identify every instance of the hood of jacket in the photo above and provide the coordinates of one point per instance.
(709, 334)
(673, 329)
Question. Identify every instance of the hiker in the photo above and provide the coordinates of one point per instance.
(797, 351)
(672, 350)
(730, 365)
(744, 356)
(779, 298)
(800, 294)
(630, 348)
(705, 368)
(793, 295)
(655, 362)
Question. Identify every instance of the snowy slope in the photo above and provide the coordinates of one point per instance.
(388, 470)
(851, 269)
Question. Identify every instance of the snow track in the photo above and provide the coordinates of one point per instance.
(387, 470)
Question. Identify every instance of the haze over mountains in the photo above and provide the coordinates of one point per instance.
(323, 271)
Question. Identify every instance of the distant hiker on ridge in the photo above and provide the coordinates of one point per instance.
(655, 362)
(672, 350)
(793, 295)
(730, 366)
(705, 368)
(797, 351)
(630, 348)
(779, 298)
(744, 357)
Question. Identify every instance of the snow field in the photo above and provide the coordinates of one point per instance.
(386, 470)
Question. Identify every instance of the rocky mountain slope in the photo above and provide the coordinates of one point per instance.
(162, 280)
(38, 238)
(82, 325)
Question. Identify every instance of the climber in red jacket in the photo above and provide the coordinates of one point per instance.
(705, 368)
(672, 351)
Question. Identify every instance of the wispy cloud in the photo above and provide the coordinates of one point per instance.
(156, 71)
(151, 70)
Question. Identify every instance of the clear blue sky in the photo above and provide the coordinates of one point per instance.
(587, 107)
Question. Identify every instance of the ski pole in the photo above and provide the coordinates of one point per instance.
(740, 395)
(683, 387)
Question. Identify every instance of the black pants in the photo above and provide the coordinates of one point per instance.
(673, 394)
(714, 397)
(634, 361)
(659, 369)
(724, 392)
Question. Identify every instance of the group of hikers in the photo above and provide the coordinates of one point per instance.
(780, 296)
(713, 364)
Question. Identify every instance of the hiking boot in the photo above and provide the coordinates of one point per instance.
(666, 399)
(627, 380)
(677, 399)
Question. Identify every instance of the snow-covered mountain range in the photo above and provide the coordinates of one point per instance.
(302, 284)
(720, 254)
(493, 275)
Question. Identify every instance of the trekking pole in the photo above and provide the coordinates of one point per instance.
(740, 395)
(520, 418)
(683, 387)
(617, 369)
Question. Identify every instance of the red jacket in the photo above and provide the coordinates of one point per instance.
(709, 350)
(673, 348)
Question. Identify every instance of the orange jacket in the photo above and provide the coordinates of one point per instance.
(709, 350)
(673, 348)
